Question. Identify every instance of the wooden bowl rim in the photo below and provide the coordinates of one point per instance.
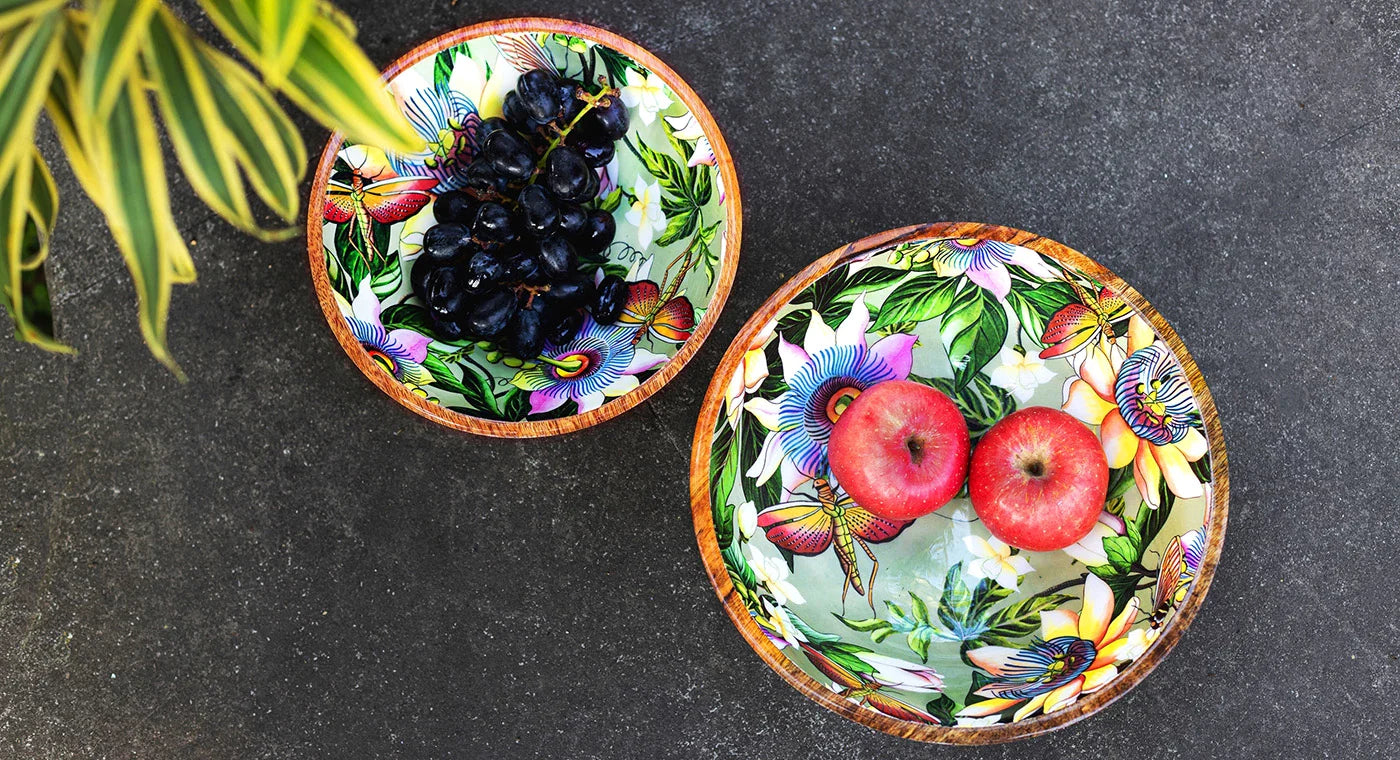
(729, 182)
(1216, 510)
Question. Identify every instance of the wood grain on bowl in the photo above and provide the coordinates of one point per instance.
(714, 406)
(721, 283)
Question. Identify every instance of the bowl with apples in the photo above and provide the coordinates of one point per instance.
(959, 483)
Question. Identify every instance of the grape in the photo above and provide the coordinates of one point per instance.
(609, 299)
(481, 179)
(454, 206)
(485, 268)
(608, 119)
(590, 189)
(566, 175)
(566, 328)
(493, 223)
(596, 155)
(568, 98)
(493, 124)
(509, 155)
(449, 329)
(557, 256)
(539, 94)
(516, 114)
(525, 267)
(423, 268)
(491, 313)
(525, 336)
(572, 219)
(447, 242)
(570, 292)
(538, 209)
(597, 233)
(447, 298)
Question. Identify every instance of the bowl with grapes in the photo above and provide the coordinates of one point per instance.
(552, 253)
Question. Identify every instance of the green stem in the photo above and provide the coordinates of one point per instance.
(588, 102)
(572, 365)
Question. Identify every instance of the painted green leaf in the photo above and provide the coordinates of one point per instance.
(678, 227)
(1022, 618)
(1034, 307)
(918, 607)
(611, 201)
(973, 331)
(406, 316)
(1149, 521)
(739, 570)
(385, 281)
(917, 299)
(474, 385)
(865, 626)
(664, 170)
(981, 403)
(1123, 552)
(942, 708)
(442, 68)
(868, 280)
(349, 250)
(702, 185)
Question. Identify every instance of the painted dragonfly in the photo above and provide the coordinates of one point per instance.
(863, 690)
(367, 197)
(1077, 324)
(808, 527)
(1179, 567)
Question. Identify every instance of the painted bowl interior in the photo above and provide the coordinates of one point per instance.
(957, 637)
(670, 189)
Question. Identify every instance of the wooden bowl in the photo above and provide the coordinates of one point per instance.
(958, 639)
(672, 190)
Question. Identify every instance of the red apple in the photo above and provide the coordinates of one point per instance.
(900, 449)
(1038, 479)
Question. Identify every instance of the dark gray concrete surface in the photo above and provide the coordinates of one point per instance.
(277, 561)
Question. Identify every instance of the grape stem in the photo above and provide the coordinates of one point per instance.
(589, 101)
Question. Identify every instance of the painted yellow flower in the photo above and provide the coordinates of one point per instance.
(1143, 406)
(1077, 654)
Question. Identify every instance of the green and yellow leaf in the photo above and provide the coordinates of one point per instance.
(16, 12)
(62, 105)
(26, 66)
(28, 208)
(127, 163)
(264, 141)
(204, 146)
(114, 38)
(336, 84)
(282, 28)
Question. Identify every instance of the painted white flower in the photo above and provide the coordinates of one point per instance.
(1089, 549)
(990, 720)
(687, 127)
(645, 213)
(995, 561)
(746, 519)
(900, 674)
(773, 572)
(1020, 373)
(747, 377)
(1138, 642)
(646, 93)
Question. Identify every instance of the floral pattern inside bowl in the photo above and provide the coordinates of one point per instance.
(670, 189)
(932, 627)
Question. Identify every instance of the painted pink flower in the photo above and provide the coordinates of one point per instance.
(399, 352)
(984, 262)
(599, 363)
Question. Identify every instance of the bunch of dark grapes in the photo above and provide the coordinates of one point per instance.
(502, 263)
